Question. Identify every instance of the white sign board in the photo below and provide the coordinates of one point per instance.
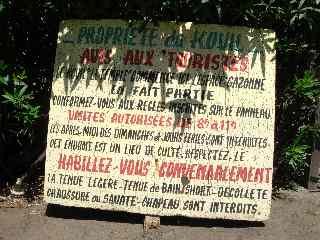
(175, 119)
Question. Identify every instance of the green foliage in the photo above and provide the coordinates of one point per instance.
(301, 100)
(308, 88)
(296, 157)
(18, 114)
(18, 99)
(302, 12)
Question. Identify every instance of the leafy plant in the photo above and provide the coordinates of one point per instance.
(18, 98)
(302, 12)
(308, 87)
(296, 156)
(18, 113)
(301, 101)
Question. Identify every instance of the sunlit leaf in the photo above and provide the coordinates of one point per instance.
(301, 3)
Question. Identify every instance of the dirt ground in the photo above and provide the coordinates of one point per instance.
(295, 216)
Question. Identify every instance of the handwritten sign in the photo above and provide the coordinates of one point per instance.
(175, 119)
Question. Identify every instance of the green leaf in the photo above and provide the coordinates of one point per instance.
(22, 75)
(8, 96)
(302, 15)
(22, 91)
(301, 3)
(4, 80)
(311, 9)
